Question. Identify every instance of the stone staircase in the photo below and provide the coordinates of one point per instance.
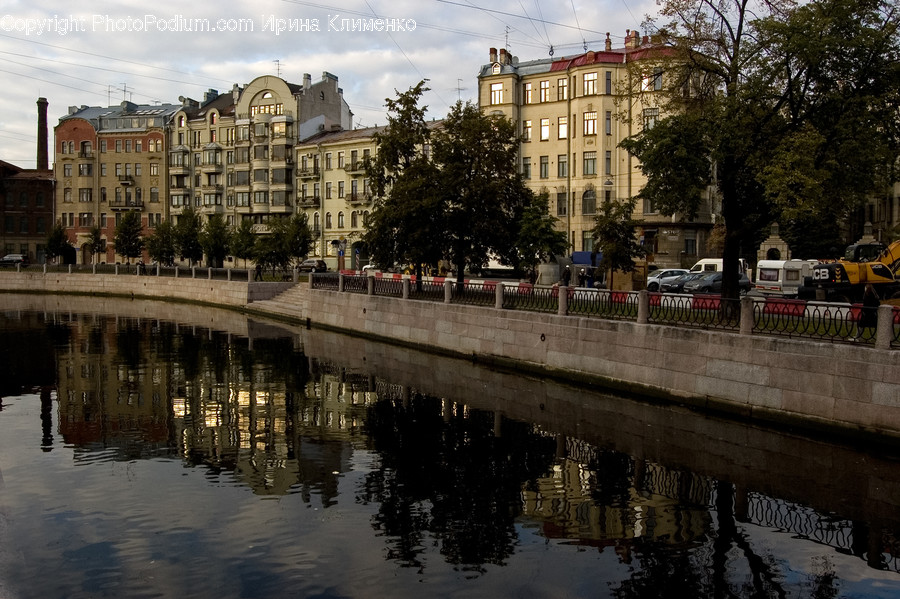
(290, 303)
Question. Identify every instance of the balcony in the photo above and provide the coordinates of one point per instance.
(308, 173)
(355, 168)
(179, 169)
(358, 199)
(126, 180)
(126, 204)
(309, 202)
(211, 167)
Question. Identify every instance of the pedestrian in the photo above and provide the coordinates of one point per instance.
(868, 314)
(567, 276)
(258, 276)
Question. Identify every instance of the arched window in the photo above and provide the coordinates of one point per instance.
(316, 222)
(212, 119)
(773, 254)
(589, 202)
(354, 220)
(327, 220)
(340, 220)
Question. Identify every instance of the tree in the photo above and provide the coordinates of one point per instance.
(214, 240)
(766, 102)
(57, 241)
(95, 241)
(128, 240)
(537, 239)
(242, 240)
(481, 188)
(298, 237)
(187, 236)
(614, 232)
(160, 243)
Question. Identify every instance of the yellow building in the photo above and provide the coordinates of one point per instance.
(572, 112)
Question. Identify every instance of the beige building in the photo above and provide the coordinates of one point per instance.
(572, 112)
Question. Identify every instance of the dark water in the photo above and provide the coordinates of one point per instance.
(175, 451)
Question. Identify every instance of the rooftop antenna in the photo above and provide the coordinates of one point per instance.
(459, 89)
(506, 41)
(125, 91)
(277, 67)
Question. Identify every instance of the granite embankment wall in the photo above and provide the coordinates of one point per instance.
(842, 389)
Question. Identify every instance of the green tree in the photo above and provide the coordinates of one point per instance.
(614, 232)
(161, 243)
(187, 236)
(57, 241)
(214, 240)
(537, 239)
(298, 237)
(766, 103)
(406, 224)
(242, 240)
(95, 241)
(482, 191)
(128, 240)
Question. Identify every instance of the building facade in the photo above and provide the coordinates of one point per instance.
(572, 113)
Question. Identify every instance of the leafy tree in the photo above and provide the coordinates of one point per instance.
(298, 237)
(214, 240)
(95, 241)
(242, 240)
(406, 225)
(128, 240)
(161, 243)
(614, 232)
(57, 241)
(187, 236)
(537, 239)
(482, 191)
(771, 103)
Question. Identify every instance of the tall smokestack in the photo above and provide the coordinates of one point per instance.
(43, 161)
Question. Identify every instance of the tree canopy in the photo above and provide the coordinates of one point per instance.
(187, 234)
(128, 240)
(161, 243)
(788, 112)
(214, 239)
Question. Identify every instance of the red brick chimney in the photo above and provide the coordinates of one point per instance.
(43, 159)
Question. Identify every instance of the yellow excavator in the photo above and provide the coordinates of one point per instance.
(845, 280)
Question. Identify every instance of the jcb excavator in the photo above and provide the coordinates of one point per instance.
(845, 280)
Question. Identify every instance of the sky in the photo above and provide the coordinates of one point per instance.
(99, 53)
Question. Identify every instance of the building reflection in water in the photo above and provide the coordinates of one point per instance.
(266, 415)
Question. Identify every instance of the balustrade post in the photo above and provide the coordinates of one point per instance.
(370, 285)
(498, 295)
(643, 315)
(884, 332)
(176, 272)
(563, 309)
(193, 272)
(748, 318)
(340, 282)
(117, 270)
(404, 284)
(448, 291)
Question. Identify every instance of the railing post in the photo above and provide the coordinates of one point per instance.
(249, 275)
(228, 272)
(370, 285)
(176, 272)
(209, 272)
(404, 284)
(193, 272)
(94, 268)
(295, 275)
(309, 280)
(884, 333)
(340, 282)
(45, 268)
(563, 300)
(643, 315)
(498, 295)
(448, 291)
(70, 269)
(748, 318)
(117, 270)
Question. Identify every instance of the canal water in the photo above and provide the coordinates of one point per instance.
(156, 450)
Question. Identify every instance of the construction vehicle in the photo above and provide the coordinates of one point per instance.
(844, 280)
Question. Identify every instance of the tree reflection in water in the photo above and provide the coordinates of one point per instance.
(447, 478)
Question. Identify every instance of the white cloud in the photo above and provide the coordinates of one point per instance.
(98, 52)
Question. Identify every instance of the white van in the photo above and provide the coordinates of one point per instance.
(782, 278)
(715, 265)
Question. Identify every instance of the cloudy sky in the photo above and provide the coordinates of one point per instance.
(99, 53)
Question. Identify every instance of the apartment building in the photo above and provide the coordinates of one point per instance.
(334, 192)
(110, 161)
(572, 112)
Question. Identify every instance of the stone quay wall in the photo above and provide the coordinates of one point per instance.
(852, 391)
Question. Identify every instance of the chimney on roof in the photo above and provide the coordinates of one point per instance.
(504, 59)
(43, 158)
(493, 55)
(307, 80)
(632, 38)
(608, 42)
(235, 93)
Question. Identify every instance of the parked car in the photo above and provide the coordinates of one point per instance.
(312, 265)
(712, 283)
(13, 259)
(676, 285)
(657, 277)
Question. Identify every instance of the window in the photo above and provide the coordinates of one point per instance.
(545, 129)
(496, 93)
(67, 194)
(260, 197)
(84, 170)
(562, 127)
(590, 84)
(154, 169)
(67, 170)
(608, 83)
(328, 161)
(608, 124)
(328, 190)
(607, 163)
(118, 145)
(340, 220)
(137, 169)
(545, 91)
(242, 177)
(242, 198)
(562, 89)
(561, 204)
(260, 175)
(84, 194)
(562, 166)
(545, 167)
(137, 146)
(589, 202)
(590, 123)
(128, 145)
(526, 130)
(652, 81)
(527, 94)
(526, 168)
(340, 160)
(340, 189)
(327, 220)
(103, 146)
(154, 194)
(590, 163)
(651, 115)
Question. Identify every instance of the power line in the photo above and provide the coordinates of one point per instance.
(509, 14)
